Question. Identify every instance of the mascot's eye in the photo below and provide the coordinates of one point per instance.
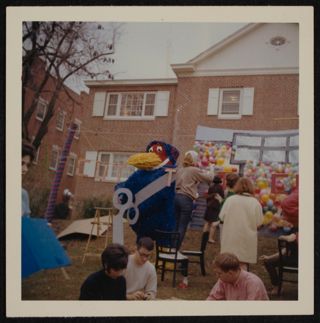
(159, 149)
(150, 150)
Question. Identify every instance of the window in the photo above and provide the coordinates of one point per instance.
(230, 103)
(268, 148)
(132, 105)
(54, 159)
(60, 120)
(71, 164)
(113, 166)
(41, 109)
(77, 133)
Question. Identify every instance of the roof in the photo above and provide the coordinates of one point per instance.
(131, 82)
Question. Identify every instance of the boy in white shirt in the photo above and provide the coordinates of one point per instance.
(141, 275)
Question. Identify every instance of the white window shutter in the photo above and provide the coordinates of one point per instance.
(247, 101)
(162, 103)
(213, 101)
(98, 104)
(90, 164)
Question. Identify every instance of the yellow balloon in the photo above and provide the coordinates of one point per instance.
(220, 161)
(265, 198)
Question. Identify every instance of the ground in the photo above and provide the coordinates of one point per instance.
(53, 285)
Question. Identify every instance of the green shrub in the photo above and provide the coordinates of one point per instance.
(38, 201)
(87, 209)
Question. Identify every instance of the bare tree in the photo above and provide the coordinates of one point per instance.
(66, 50)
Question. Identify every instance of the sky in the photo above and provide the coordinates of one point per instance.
(146, 50)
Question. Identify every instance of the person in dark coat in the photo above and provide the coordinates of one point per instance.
(109, 282)
(214, 199)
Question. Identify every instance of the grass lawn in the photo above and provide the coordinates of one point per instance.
(52, 285)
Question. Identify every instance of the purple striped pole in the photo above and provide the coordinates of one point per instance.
(57, 179)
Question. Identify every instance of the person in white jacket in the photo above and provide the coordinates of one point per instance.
(242, 216)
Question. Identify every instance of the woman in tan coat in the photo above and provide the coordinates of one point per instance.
(241, 215)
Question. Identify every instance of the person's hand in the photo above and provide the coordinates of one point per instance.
(263, 257)
(218, 197)
(148, 296)
(139, 295)
(289, 238)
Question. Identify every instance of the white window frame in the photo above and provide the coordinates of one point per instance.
(110, 166)
(41, 103)
(63, 114)
(117, 116)
(230, 116)
(58, 150)
(77, 133)
(72, 156)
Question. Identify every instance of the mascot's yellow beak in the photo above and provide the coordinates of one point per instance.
(145, 161)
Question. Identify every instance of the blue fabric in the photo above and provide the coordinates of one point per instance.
(157, 212)
(40, 248)
(183, 213)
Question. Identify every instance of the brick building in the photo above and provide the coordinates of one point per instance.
(248, 81)
(69, 108)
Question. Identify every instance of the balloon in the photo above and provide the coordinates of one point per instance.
(220, 161)
(269, 214)
(270, 203)
(265, 197)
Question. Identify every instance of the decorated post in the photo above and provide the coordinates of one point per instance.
(57, 179)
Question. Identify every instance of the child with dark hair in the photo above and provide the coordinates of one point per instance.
(141, 275)
(214, 199)
(28, 154)
(108, 283)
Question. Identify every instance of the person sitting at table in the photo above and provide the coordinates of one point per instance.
(271, 262)
(235, 283)
(140, 274)
(107, 283)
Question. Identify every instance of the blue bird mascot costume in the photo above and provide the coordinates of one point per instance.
(147, 196)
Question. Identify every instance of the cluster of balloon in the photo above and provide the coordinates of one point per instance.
(213, 154)
(261, 173)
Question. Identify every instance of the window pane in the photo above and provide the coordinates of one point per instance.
(230, 108)
(41, 109)
(112, 106)
(54, 159)
(231, 96)
(148, 111)
(247, 154)
(103, 166)
(150, 99)
(60, 120)
(120, 168)
(248, 140)
(131, 104)
(294, 141)
(294, 156)
(71, 165)
(274, 155)
(275, 142)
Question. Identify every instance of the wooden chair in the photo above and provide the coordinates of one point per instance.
(288, 261)
(199, 253)
(167, 253)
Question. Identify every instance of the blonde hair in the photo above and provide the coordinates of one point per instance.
(244, 185)
(190, 158)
